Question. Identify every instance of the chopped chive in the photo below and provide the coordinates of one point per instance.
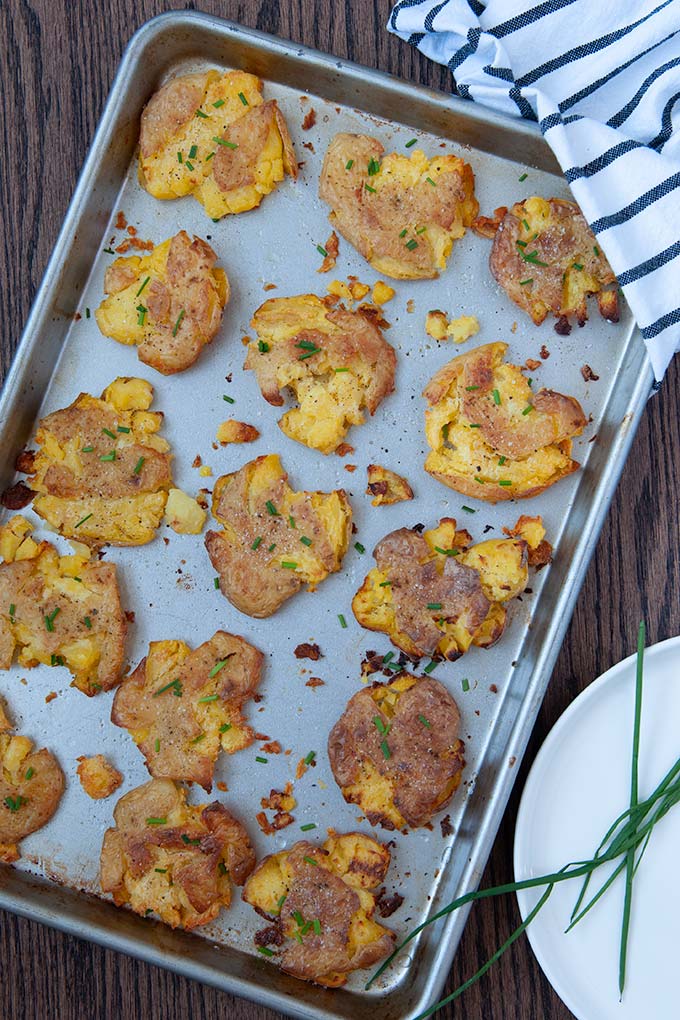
(359, 547)
(310, 757)
(142, 314)
(526, 226)
(475, 426)
(384, 747)
(504, 481)
(424, 721)
(434, 605)
(56, 660)
(14, 803)
(373, 167)
(343, 621)
(430, 181)
(465, 683)
(271, 509)
(291, 521)
(522, 177)
(404, 232)
(49, 619)
(341, 370)
(179, 157)
(207, 698)
(200, 113)
(421, 230)
(188, 165)
(349, 164)
(272, 547)
(224, 727)
(228, 399)
(307, 345)
(157, 745)
(480, 481)
(386, 658)
(468, 509)
(122, 428)
(87, 313)
(502, 460)
(411, 244)
(198, 739)
(265, 951)
(241, 97)
(193, 152)
(431, 666)
(178, 323)
(305, 541)
(533, 258)
(262, 346)
(87, 449)
(289, 565)
(161, 871)
(261, 759)
(369, 188)
(188, 841)
(79, 579)
(596, 250)
(138, 466)
(156, 821)
(219, 666)
(412, 142)
(380, 725)
(226, 143)
(385, 584)
(12, 611)
(216, 582)
(174, 685)
(469, 388)
(316, 925)
(88, 622)
(523, 283)
(109, 456)
(109, 251)
(30, 773)
(578, 265)
(258, 541)
(521, 244)
(308, 826)
(210, 156)
(321, 250)
(447, 552)
(528, 409)
(282, 900)
(148, 278)
(496, 396)
(298, 918)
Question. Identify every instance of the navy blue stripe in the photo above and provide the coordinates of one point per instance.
(666, 124)
(669, 319)
(528, 17)
(588, 90)
(476, 7)
(551, 121)
(499, 72)
(433, 14)
(416, 38)
(587, 49)
(522, 104)
(464, 91)
(625, 111)
(635, 207)
(402, 5)
(465, 51)
(644, 268)
(608, 157)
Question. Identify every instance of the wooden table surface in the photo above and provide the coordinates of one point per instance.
(57, 61)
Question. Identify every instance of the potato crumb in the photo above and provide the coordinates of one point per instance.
(269, 286)
(438, 326)
(98, 777)
(339, 289)
(330, 258)
(50, 697)
(232, 431)
(382, 293)
(386, 486)
(183, 513)
(359, 290)
(205, 471)
(410, 305)
(222, 787)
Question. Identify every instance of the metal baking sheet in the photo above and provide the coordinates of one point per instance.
(170, 587)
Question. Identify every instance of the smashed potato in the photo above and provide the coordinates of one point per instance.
(176, 859)
(321, 901)
(31, 785)
(335, 361)
(183, 513)
(491, 436)
(274, 539)
(169, 303)
(213, 136)
(59, 611)
(402, 213)
(386, 486)
(395, 751)
(183, 707)
(436, 593)
(102, 472)
(98, 777)
(546, 259)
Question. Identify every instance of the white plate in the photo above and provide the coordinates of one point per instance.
(578, 785)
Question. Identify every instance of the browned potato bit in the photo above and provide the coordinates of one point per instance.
(175, 859)
(546, 258)
(491, 436)
(169, 303)
(31, 785)
(402, 213)
(213, 136)
(232, 431)
(436, 593)
(395, 751)
(336, 362)
(102, 472)
(98, 777)
(274, 540)
(59, 611)
(183, 707)
(322, 901)
(386, 486)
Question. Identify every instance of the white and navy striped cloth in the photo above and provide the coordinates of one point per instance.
(602, 78)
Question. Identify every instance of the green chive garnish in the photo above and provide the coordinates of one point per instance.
(178, 323)
(261, 759)
(288, 565)
(373, 167)
(523, 283)
(384, 747)
(262, 346)
(179, 157)
(272, 547)
(87, 449)
(271, 509)
(380, 725)
(321, 250)
(49, 619)
(143, 286)
(434, 605)
(265, 951)
(310, 757)
(596, 250)
(109, 251)
(220, 102)
(291, 521)
(522, 177)
(430, 181)
(157, 745)
(218, 666)
(384, 584)
(578, 265)
(138, 466)
(412, 142)
(504, 481)
(208, 697)
(256, 544)
(496, 396)
(228, 399)
(142, 315)
(502, 460)
(241, 97)
(424, 721)
(468, 509)
(122, 428)
(310, 860)
(465, 683)
(198, 739)
(431, 666)
(193, 151)
(349, 164)
(470, 388)
(369, 188)
(188, 165)
(200, 113)
(528, 409)
(305, 541)
(109, 456)
(343, 621)
(404, 232)
(224, 727)
(175, 686)
(226, 143)
(308, 827)
(359, 547)
(88, 622)
(156, 821)
(316, 925)
(216, 583)
(87, 313)
(411, 244)
(30, 773)
(447, 552)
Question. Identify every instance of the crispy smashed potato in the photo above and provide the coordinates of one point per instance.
(321, 901)
(382, 293)
(102, 472)
(213, 136)
(459, 330)
(183, 707)
(176, 859)
(402, 213)
(395, 751)
(31, 785)
(546, 258)
(59, 610)
(491, 436)
(98, 777)
(232, 431)
(183, 513)
(436, 593)
(274, 540)
(336, 362)
(386, 486)
(169, 303)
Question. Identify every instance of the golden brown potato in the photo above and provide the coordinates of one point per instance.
(402, 213)
(102, 472)
(386, 486)
(98, 777)
(336, 363)
(436, 593)
(213, 136)
(232, 431)
(395, 751)
(438, 326)
(175, 859)
(31, 785)
(491, 436)
(321, 902)
(183, 707)
(59, 611)
(546, 258)
(274, 539)
(184, 514)
(169, 303)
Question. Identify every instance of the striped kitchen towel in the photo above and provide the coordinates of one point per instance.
(602, 78)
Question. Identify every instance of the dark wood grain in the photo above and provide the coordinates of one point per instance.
(58, 58)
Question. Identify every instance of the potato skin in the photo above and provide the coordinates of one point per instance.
(250, 552)
(183, 296)
(26, 804)
(301, 344)
(552, 283)
(98, 777)
(491, 436)
(179, 734)
(422, 767)
(407, 193)
(336, 890)
(173, 858)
